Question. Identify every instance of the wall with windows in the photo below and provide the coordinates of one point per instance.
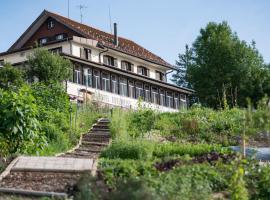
(95, 78)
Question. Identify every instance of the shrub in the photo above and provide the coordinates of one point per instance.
(128, 150)
(19, 129)
(237, 187)
(170, 149)
(111, 170)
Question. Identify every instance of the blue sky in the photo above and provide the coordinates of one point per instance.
(162, 26)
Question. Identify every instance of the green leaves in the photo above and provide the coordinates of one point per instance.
(10, 77)
(18, 117)
(48, 67)
(225, 70)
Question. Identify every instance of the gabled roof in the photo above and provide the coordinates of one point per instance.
(125, 45)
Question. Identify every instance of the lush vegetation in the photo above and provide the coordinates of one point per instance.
(38, 118)
(183, 155)
(223, 70)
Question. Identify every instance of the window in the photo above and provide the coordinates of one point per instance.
(77, 76)
(114, 84)
(183, 101)
(111, 61)
(131, 89)
(2, 62)
(51, 24)
(123, 87)
(143, 71)
(160, 76)
(155, 95)
(169, 99)
(60, 37)
(139, 90)
(57, 50)
(147, 93)
(125, 65)
(87, 53)
(162, 98)
(105, 82)
(88, 77)
(96, 79)
(176, 101)
(43, 40)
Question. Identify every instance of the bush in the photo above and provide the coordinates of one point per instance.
(19, 129)
(128, 150)
(170, 149)
(111, 170)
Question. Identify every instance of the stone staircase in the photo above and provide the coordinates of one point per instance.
(55, 176)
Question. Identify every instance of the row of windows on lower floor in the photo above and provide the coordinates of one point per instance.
(128, 87)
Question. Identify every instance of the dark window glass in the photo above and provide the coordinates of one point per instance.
(139, 90)
(2, 62)
(51, 24)
(96, 79)
(160, 76)
(126, 66)
(105, 82)
(147, 93)
(77, 76)
(57, 50)
(143, 71)
(123, 86)
(43, 41)
(86, 53)
(162, 98)
(176, 101)
(169, 99)
(88, 77)
(114, 84)
(109, 60)
(155, 95)
(131, 89)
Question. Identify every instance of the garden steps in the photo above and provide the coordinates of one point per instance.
(56, 179)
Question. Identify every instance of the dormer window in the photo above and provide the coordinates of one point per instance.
(143, 71)
(59, 37)
(43, 40)
(125, 65)
(160, 76)
(109, 60)
(50, 24)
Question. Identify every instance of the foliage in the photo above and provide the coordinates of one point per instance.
(141, 122)
(128, 150)
(10, 77)
(48, 67)
(183, 63)
(86, 189)
(237, 187)
(19, 129)
(170, 149)
(224, 70)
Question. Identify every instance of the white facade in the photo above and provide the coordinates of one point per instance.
(75, 48)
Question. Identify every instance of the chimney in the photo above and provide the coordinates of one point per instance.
(115, 34)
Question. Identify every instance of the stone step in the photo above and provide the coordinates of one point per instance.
(100, 129)
(97, 139)
(100, 126)
(103, 144)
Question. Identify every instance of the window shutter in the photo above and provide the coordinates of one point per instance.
(132, 68)
(82, 53)
(147, 72)
(105, 60)
(122, 65)
(115, 62)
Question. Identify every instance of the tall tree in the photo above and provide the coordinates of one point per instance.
(226, 70)
(183, 62)
(48, 67)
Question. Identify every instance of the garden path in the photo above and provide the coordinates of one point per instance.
(56, 176)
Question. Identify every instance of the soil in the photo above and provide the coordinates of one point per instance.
(211, 158)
